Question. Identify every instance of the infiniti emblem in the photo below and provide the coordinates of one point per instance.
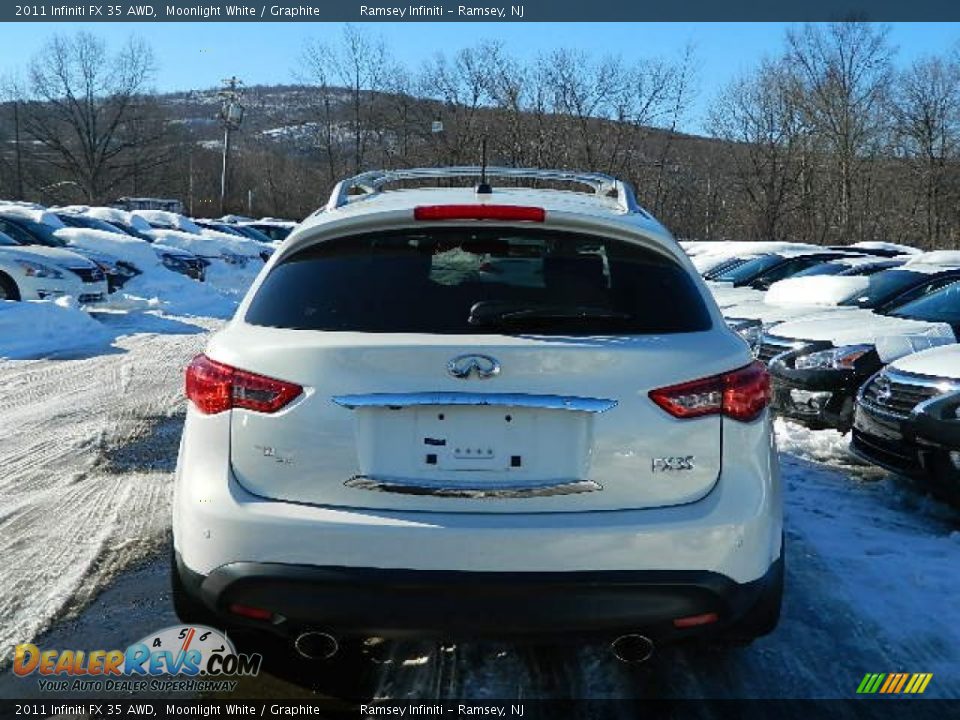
(483, 366)
(884, 391)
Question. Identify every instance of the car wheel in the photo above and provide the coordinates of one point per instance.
(8, 288)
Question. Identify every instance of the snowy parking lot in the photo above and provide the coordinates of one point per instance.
(93, 411)
(89, 441)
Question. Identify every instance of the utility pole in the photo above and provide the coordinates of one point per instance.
(230, 117)
(16, 147)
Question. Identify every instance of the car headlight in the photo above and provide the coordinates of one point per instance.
(39, 270)
(749, 330)
(841, 358)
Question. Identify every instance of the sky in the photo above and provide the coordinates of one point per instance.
(198, 55)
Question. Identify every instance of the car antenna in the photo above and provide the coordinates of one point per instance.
(483, 188)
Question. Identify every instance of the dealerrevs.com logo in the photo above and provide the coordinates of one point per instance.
(185, 658)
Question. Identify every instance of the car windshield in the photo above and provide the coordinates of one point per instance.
(252, 233)
(747, 271)
(883, 287)
(88, 222)
(469, 281)
(941, 306)
(40, 234)
(7, 241)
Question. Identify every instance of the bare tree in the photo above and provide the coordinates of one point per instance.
(88, 114)
(760, 119)
(353, 70)
(926, 110)
(843, 73)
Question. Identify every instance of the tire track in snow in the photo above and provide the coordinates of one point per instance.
(76, 505)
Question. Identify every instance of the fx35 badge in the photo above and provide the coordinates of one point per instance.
(667, 464)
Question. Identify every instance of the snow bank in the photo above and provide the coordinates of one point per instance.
(175, 294)
(815, 290)
(135, 251)
(231, 280)
(822, 446)
(37, 329)
(209, 247)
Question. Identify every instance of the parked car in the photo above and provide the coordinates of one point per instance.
(907, 419)
(813, 291)
(880, 249)
(748, 281)
(31, 272)
(173, 229)
(821, 363)
(175, 259)
(274, 228)
(384, 442)
(708, 257)
(38, 227)
(879, 293)
(240, 230)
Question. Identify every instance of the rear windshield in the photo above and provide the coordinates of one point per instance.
(480, 281)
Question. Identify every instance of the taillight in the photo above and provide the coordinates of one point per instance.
(741, 395)
(507, 213)
(214, 387)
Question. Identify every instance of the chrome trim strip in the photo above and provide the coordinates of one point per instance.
(943, 384)
(472, 492)
(395, 401)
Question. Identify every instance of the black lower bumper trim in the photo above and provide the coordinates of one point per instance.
(427, 603)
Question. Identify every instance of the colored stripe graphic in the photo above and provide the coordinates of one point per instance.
(894, 683)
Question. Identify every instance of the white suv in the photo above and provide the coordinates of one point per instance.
(448, 411)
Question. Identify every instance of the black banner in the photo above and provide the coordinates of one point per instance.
(480, 11)
(864, 709)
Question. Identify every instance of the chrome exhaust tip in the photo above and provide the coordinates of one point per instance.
(632, 648)
(315, 645)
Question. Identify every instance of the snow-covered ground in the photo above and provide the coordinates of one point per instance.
(87, 446)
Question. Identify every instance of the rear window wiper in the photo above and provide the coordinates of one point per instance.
(487, 313)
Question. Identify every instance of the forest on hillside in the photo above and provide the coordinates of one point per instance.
(828, 141)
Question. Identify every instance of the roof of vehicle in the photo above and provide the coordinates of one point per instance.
(926, 268)
(37, 215)
(877, 245)
(365, 195)
(556, 200)
(936, 257)
(859, 260)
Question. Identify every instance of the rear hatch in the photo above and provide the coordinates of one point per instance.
(465, 369)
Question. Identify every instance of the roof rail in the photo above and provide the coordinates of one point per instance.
(372, 182)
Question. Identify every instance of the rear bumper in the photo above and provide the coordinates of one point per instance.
(417, 603)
